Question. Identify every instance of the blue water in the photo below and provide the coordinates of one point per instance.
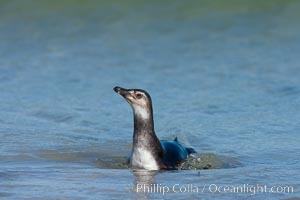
(224, 77)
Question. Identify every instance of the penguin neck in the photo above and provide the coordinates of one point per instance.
(144, 134)
(147, 149)
(143, 125)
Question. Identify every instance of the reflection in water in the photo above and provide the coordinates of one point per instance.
(144, 183)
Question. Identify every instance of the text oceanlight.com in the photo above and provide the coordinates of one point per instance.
(213, 188)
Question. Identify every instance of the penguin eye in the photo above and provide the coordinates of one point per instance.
(139, 95)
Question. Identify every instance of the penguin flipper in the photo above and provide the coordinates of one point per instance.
(189, 150)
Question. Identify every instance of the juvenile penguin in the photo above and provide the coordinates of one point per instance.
(147, 151)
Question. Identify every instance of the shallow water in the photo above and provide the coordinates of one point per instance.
(224, 78)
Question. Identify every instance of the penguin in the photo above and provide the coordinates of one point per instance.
(148, 152)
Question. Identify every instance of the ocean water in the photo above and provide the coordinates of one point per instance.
(224, 77)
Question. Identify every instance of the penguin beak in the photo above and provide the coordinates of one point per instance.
(122, 91)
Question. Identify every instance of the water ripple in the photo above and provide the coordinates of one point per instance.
(55, 116)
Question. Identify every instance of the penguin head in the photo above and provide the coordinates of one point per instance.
(138, 99)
